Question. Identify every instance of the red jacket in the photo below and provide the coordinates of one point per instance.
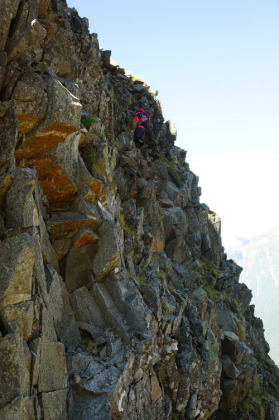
(141, 116)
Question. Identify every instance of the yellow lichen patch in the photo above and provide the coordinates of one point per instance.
(95, 185)
(5, 184)
(157, 245)
(100, 166)
(156, 391)
(43, 8)
(89, 196)
(104, 196)
(110, 265)
(50, 27)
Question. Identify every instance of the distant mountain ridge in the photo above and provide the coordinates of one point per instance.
(259, 257)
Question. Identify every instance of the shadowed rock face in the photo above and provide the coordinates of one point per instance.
(116, 298)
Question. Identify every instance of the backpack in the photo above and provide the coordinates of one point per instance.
(142, 115)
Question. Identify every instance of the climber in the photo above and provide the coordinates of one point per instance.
(143, 121)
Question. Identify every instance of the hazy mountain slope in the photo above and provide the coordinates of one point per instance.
(259, 257)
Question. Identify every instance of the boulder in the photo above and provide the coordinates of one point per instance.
(76, 267)
(17, 256)
(214, 230)
(130, 303)
(62, 118)
(157, 173)
(86, 308)
(20, 205)
(50, 371)
(54, 404)
(31, 100)
(237, 350)
(179, 196)
(164, 201)
(61, 247)
(20, 408)
(175, 223)
(229, 367)
(84, 237)
(18, 318)
(29, 38)
(124, 142)
(243, 296)
(14, 368)
(171, 131)
(5, 184)
(8, 10)
(62, 313)
(225, 319)
(84, 207)
(107, 259)
(65, 225)
(176, 249)
(8, 137)
(86, 405)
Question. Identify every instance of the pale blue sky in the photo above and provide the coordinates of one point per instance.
(216, 67)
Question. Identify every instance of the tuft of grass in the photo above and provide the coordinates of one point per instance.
(241, 330)
(161, 275)
(140, 280)
(88, 121)
(136, 79)
(171, 288)
(212, 293)
(168, 265)
(84, 343)
(129, 229)
(91, 158)
(100, 347)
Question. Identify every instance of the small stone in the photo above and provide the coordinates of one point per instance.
(77, 378)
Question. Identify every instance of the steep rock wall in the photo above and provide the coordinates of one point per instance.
(117, 300)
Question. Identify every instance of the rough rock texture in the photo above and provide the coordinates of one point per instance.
(117, 300)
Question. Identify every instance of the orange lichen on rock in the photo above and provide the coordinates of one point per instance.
(57, 187)
(157, 245)
(85, 239)
(60, 256)
(60, 229)
(44, 140)
(27, 122)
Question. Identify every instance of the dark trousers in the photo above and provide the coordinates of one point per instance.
(139, 137)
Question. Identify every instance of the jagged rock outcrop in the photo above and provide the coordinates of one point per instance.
(117, 300)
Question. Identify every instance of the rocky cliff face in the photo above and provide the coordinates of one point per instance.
(116, 298)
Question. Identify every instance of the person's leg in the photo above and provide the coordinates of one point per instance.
(142, 136)
(139, 137)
